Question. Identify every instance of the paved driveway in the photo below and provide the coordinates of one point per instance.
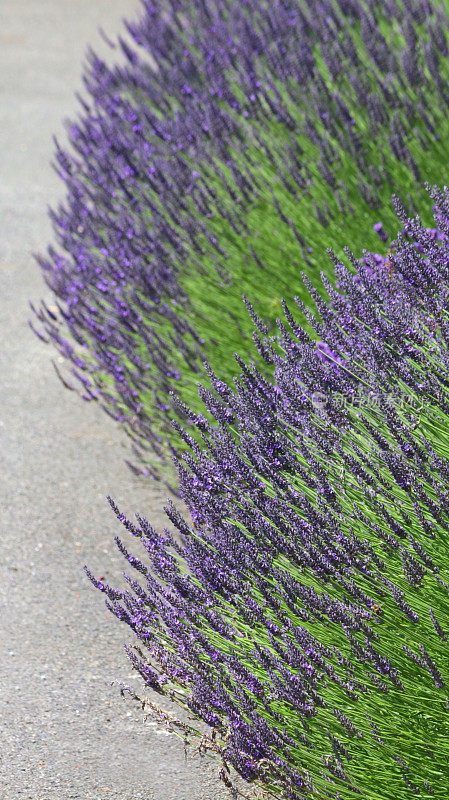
(65, 731)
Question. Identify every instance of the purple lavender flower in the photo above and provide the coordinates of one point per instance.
(289, 615)
(171, 161)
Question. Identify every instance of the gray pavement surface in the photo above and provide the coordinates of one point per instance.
(65, 732)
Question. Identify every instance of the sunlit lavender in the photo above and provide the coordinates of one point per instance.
(301, 610)
(235, 142)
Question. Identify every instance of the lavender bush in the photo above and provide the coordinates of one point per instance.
(302, 613)
(237, 140)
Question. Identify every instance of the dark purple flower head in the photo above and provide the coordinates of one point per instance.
(378, 227)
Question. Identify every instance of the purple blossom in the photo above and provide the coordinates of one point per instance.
(193, 90)
(273, 617)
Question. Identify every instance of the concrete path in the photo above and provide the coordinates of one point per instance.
(65, 732)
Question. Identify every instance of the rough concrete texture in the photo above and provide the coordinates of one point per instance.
(66, 733)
